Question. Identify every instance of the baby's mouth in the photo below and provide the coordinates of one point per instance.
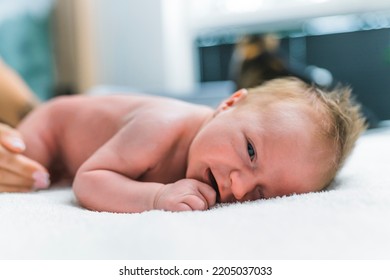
(214, 184)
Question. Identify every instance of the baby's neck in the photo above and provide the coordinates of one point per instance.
(204, 116)
(194, 125)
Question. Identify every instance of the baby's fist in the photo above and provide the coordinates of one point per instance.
(185, 195)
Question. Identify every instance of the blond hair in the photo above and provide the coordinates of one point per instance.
(341, 121)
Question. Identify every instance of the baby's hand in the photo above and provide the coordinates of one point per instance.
(185, 195)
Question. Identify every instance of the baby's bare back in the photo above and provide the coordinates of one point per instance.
(65, 132)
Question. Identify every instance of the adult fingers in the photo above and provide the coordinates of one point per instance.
(9, 179)
(13, 143)
(11, 139)
(13, 166)
(14, 189)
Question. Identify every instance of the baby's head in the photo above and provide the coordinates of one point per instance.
(280, 138)
(335, 120)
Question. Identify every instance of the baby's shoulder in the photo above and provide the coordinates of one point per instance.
(164, 119)
(158, 118)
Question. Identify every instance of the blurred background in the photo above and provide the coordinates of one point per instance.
(187, 48)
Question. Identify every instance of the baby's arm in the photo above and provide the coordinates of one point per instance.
(38, 132)
(108, 180)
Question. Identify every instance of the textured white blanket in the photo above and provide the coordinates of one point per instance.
(349, 221)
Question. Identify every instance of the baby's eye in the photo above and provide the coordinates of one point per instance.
(251, 151)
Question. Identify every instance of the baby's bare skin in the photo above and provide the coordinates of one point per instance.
(138, 153)
(142, 138)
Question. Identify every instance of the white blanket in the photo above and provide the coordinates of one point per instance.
(349, 221)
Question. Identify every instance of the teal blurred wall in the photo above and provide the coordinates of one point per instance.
(25, 42)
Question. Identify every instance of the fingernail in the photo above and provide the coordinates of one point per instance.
(17, 143)
(41, 180)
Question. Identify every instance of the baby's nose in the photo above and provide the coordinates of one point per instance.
(243, 187)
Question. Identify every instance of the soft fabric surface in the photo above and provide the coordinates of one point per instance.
(351, 220)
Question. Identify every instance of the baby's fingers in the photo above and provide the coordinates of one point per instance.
(194, 202)
(208, 194)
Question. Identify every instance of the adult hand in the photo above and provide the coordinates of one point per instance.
(17, 172)
(185, 195)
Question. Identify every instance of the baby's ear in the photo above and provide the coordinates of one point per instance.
(232, 100)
